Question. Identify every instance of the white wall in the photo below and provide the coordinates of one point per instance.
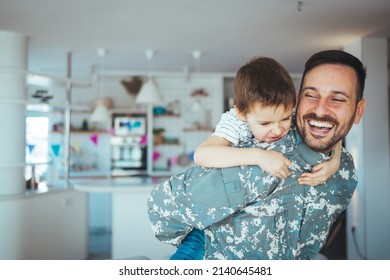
(50, 226)
(369, 144)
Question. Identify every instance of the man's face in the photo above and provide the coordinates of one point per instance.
(327, 106)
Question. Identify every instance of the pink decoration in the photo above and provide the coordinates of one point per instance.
(94, 138)
(173, 160)
(156, 155)
(144, 139)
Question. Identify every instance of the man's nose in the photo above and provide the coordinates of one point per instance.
(321, 108)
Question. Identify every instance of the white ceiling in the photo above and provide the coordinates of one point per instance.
(227, 32)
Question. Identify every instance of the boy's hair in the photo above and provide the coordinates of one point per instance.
(263, 80)
(340, 58)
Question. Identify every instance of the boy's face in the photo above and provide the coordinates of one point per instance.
(268, 123)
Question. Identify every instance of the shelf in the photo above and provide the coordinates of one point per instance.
(167, 144)
(129, 145)
(190, 129)
(171, 115)
(82, 132)
(56, 108)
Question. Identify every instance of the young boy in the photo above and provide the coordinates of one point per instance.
(264, 104)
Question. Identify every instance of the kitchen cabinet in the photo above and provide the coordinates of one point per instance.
(132, 235)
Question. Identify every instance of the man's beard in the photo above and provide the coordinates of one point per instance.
(316, 144)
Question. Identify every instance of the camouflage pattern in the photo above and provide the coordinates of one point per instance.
(249, 214)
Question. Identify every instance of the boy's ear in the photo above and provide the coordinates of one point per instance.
(240, 115)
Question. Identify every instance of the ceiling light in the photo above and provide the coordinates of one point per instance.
(197, 54)
(149, 92)
(100, 113)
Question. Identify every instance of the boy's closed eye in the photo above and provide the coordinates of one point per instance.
(268, 123)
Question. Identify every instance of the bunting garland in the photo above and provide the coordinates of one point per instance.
(94, 138)
(56, 149)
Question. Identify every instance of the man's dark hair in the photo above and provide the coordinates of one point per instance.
(341, 58)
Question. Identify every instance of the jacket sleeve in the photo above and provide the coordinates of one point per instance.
(202, 196)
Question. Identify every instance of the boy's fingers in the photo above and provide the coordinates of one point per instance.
(316, 168)
(283, 174)
(310, 181)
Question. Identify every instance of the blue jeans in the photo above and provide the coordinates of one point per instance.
(192, 247)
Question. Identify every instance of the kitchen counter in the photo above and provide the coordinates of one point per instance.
(132, 236)
(111, 185)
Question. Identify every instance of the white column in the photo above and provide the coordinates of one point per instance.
(13, 93)
(369, 145)
(13, 65)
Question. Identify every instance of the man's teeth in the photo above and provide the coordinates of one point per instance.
(320, 124)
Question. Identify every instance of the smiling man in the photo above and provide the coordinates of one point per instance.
(330, 101)
(254, 215)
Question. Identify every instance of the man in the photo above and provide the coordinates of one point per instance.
(247, 213)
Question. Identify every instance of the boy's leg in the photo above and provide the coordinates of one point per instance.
(192, 247)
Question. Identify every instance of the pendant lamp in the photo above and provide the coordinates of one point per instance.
(197, 94)
(100, 113)
(149, 92)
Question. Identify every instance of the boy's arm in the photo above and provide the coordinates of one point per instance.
(217, 152)
(321, 172)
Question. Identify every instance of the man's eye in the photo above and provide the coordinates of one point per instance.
(310, 95)
(338, 100)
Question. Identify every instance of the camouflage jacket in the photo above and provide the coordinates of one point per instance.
(249, 214)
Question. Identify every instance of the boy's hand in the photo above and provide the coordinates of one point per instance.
(275, 163)
(321, 172)
(318, 175)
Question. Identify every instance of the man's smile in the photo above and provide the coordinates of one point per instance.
(320, 124)
(320, 127)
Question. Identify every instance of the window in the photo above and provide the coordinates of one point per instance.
(37, 147)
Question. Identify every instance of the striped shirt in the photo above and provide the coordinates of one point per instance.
(231, 128)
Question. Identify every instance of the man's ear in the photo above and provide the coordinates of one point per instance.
(240, 115)
(359, 111)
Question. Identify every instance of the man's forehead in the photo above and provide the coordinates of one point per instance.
(333, 78)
